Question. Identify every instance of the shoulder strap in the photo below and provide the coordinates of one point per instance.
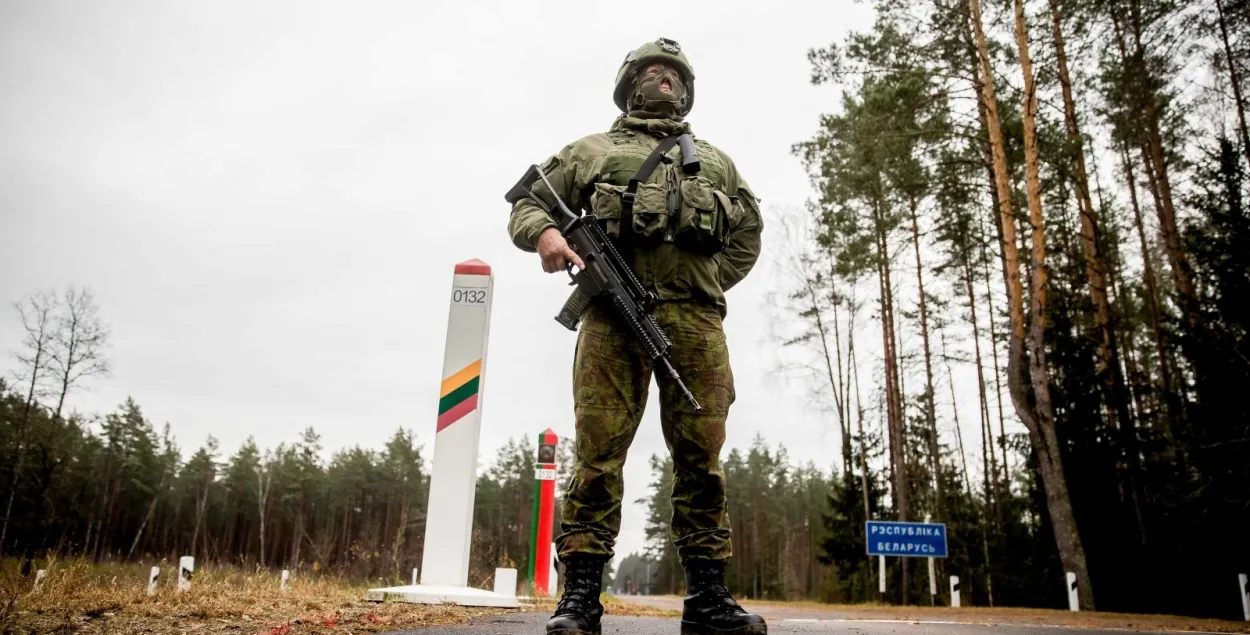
(630, 193)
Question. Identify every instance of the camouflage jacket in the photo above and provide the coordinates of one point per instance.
(695, 236)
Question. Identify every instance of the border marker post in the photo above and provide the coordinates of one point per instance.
(453, 478)
(1074, 600)
(186, 567)
(1244, 584)
(544, 508)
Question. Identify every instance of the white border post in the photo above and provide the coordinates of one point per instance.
(505, 581)
(1074, 600)
(286, 575)
(39, 576)
(186, 566)
(449, 521)
(153, 574)
(453, 478)
(1245, 595)
(955, 591)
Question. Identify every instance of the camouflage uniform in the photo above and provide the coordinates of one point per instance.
(695, 237)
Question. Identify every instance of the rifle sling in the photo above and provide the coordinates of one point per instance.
(630, 193)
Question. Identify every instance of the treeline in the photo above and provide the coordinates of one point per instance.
(1024, 275)
(798, 534)
(113, 488)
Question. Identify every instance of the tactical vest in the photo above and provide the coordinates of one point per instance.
(691, 212)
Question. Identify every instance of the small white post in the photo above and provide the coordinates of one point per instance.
(881, 574)
(955, 591)
(186, 565)
(1074, 601)
(286, 575)
(505, 582)
(414, 576)
(1245, 595)
(153, 574)
(39, 576)
(932, 582)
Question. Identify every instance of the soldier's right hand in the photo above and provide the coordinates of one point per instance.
(555, 251)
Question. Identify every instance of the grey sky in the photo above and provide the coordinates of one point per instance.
(268, 199)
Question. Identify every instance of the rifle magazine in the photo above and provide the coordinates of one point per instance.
(571, 313)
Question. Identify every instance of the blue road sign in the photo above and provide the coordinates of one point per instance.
(915, 540)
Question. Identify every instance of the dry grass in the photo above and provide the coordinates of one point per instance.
(79, 598)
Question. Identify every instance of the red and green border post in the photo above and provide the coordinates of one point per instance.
(544, 510)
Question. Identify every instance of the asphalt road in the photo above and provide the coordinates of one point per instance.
(532, 624)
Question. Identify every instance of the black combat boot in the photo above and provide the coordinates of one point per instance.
(710, 610)
(579, 609)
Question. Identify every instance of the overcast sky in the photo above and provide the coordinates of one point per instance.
(268, 199)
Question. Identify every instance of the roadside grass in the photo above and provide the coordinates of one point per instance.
(83, 598)
(77, 597)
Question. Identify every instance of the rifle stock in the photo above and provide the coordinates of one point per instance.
(606, 276)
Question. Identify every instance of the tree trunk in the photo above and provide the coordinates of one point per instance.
(1156, 165)
(156, 497)
(39, 331)
(1114, 389)
(995, 194)
(1153, 300)
(859, 410)
(930, 407)
(839, 388)
(1235, 80)
(894, 408)
(959, 435)
(1030, 388)
(987, 452)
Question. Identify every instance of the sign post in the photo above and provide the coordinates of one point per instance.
(905, 540)
(453, 479)
(544, 510)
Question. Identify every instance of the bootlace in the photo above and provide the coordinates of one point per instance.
(577, 593)
(712, 586)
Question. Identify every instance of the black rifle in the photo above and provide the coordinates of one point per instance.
(605, 275)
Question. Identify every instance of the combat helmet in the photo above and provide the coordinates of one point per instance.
(661, 50)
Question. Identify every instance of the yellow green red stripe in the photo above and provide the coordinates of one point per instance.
(458, 378)
(458, 395)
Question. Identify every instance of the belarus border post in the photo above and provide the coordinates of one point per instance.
(670, 226)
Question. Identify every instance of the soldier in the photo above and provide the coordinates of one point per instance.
(690, 236)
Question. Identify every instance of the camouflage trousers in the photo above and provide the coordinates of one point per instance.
(611, 381)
